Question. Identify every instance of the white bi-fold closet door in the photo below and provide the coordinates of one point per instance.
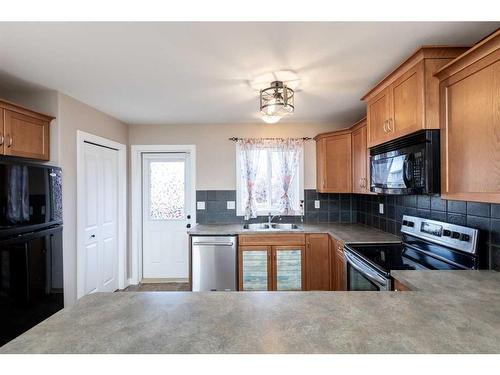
(100, 219)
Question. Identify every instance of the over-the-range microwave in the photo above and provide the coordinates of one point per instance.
(407, 165)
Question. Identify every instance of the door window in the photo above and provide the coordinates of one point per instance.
(167, 190)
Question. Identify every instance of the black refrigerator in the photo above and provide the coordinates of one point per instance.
(31, 256)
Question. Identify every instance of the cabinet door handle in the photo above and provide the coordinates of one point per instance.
(360, 182)
(1, 139)
(385, 126)
(10, 141)
(389, 125)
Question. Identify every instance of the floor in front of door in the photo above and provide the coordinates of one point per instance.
(158, 287)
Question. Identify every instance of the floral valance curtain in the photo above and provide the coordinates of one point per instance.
(285, 166)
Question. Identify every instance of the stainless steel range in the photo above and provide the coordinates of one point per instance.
(426, 244)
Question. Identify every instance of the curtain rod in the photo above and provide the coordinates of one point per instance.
(235, 139)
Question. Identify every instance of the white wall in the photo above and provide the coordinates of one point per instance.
(215, 154)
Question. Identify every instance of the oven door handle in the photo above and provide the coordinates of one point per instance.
(367, 272)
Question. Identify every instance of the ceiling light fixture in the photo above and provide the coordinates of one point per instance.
(276, 101)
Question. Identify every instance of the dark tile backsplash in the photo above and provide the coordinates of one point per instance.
(482, 216)
(334, 208)
(216, 211)
(364, 209)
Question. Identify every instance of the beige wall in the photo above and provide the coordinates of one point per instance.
(216, 162)
(74, 115)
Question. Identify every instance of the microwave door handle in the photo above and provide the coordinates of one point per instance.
(407, 171)
(380, 281)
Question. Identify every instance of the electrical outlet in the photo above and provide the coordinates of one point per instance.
(381, 208)
(200, 205)
(231, 205)
(316, 204)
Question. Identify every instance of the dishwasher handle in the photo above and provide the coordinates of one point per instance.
(213, 244)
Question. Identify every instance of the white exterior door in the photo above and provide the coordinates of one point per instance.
(101, 219)
(166, 212)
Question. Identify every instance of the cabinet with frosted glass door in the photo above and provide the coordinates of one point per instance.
(288, 268)
(271, 262)
(264, 268)
(255, 271)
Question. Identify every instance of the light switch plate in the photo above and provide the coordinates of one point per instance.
(231, 205)
(200, 205)
(316, 204)
(381, 208)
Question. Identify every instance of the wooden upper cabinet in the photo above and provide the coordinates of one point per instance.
(333, 156)
(470, 124)
(378, 113)
(24, 133)
(360, 159)
(407, 99)
(318, 262)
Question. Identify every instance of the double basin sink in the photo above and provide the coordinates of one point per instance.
(271, 227)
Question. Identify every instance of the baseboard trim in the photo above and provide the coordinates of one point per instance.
(165, 280)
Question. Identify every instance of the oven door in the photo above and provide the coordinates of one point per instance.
(392, 172)
(362, 277)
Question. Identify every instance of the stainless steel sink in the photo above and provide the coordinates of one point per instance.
(257, 226)
(265, 226)
(283, 226)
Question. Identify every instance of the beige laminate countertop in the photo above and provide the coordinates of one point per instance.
(450, 312)
(348, 233)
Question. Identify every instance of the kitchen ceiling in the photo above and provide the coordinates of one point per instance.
(173, 73)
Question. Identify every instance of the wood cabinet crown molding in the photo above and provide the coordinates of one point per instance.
(484, 47)
(5, 104)
(424, 52)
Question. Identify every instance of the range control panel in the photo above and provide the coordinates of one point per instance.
(451, 235)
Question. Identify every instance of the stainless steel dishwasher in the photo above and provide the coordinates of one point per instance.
(213, 263)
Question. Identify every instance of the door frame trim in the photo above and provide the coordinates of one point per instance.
(135, 234)
(81, 139)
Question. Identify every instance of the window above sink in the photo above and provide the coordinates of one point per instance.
(268, 168)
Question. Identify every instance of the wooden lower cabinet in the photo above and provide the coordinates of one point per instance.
(400, 287)
(318, 262)
(338, 265)
(290, 262)
(266, 267)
